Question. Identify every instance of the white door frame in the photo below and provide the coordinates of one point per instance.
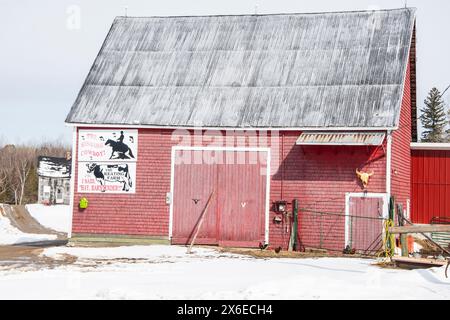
(349, 195)
(235, 149)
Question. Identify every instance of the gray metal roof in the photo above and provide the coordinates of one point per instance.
(322, 70)
(341, 138)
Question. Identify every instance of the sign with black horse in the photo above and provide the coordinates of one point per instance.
(107, 145)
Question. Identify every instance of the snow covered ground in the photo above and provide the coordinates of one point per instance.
(56, 217)
(167, 272)
(11, 235)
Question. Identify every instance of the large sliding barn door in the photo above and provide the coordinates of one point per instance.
(193, 186)
(241, 202)
(236, 215)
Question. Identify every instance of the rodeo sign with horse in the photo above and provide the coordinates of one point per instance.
(107, 160)
(107, 145)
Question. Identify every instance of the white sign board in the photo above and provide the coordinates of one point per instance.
(108, 145)
(106, 177)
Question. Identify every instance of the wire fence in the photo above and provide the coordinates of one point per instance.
(356, 233)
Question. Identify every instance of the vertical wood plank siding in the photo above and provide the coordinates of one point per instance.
(430, 185)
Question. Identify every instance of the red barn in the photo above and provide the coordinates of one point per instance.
(247, 110)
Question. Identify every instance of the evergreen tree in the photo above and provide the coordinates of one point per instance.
(433, 117)
(448, 130)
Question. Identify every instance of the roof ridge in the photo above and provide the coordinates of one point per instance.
(270, 14)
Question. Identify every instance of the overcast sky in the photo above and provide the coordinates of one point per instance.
(46, 52)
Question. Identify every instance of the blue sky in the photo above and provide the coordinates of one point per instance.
(44, 58)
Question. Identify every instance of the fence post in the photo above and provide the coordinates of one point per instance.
(390, 241)
(403, 236)
(295, 226)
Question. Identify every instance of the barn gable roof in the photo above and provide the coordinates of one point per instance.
(344, 69)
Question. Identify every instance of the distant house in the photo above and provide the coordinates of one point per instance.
(54, 180)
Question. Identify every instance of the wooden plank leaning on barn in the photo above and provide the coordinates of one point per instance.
(199, 225)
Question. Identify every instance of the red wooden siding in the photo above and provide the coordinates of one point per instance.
(430, 185)
(401, 140)
(318, 176)
(143, 213)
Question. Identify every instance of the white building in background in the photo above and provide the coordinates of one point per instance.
(54, 180)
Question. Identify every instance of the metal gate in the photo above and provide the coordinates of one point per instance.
(237, 214)
(441, 238)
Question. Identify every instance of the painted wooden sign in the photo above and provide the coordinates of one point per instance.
(94, 177)
(108, 145)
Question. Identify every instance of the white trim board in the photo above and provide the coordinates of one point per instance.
(429, 146)
(72, 178)
(235, 149)
(388, 162)
(349, 195)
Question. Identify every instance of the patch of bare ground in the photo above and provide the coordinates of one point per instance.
(308, 253)
(27, 258)
(388, 264)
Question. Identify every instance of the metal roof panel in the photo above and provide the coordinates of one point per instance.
(341, 138)
(325, 70)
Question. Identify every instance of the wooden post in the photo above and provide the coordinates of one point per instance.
(295, 229)
(200, 221)
(390, 241)
(403, 236)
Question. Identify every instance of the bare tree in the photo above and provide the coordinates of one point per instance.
(3, 181)
(16, 164)
(22, 168)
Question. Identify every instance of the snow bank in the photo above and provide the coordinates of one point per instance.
(11, 235)
(55, 217)
(167, 272)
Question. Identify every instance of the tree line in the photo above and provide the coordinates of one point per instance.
(18, 170)
(435, 118)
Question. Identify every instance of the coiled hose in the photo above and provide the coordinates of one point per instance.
(388, 240)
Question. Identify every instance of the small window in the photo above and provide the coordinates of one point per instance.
(46, 194)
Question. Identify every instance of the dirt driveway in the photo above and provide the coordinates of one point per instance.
(28, 258)
(21, 219)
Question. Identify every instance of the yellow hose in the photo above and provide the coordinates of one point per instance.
(388, 240)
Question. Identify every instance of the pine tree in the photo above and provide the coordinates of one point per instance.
(448, 130)
(433, 117)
